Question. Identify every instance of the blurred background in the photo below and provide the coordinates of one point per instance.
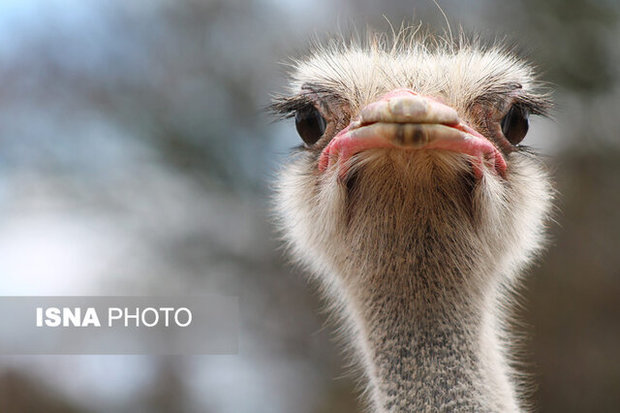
(136, 158)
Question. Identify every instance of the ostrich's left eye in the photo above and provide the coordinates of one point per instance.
(310, 124)
(515, 124)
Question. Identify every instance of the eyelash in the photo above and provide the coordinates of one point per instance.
(285, 108)
(311, 95)
(535, 107)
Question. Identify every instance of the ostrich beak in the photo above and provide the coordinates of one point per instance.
(402, 119)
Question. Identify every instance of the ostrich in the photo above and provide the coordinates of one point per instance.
(415, 206)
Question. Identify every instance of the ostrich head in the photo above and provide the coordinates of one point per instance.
(414, 203)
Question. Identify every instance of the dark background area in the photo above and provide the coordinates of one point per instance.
(136, 158)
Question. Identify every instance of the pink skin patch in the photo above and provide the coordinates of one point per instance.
(405, 120)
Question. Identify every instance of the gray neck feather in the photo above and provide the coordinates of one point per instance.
(433, 351)
(425, 304)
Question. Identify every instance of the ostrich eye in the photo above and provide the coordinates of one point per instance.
(515, 124)
(310, 124)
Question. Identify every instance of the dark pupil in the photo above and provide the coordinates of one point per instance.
(515, 124)
(310, 125)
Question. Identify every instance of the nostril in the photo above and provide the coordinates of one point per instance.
(411, 135)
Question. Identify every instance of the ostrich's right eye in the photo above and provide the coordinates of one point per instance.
(310, 124)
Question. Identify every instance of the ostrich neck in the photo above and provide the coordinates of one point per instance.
(431, 347)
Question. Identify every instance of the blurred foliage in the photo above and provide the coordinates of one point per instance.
(573, 296)
(19, 393)
(574, 39)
